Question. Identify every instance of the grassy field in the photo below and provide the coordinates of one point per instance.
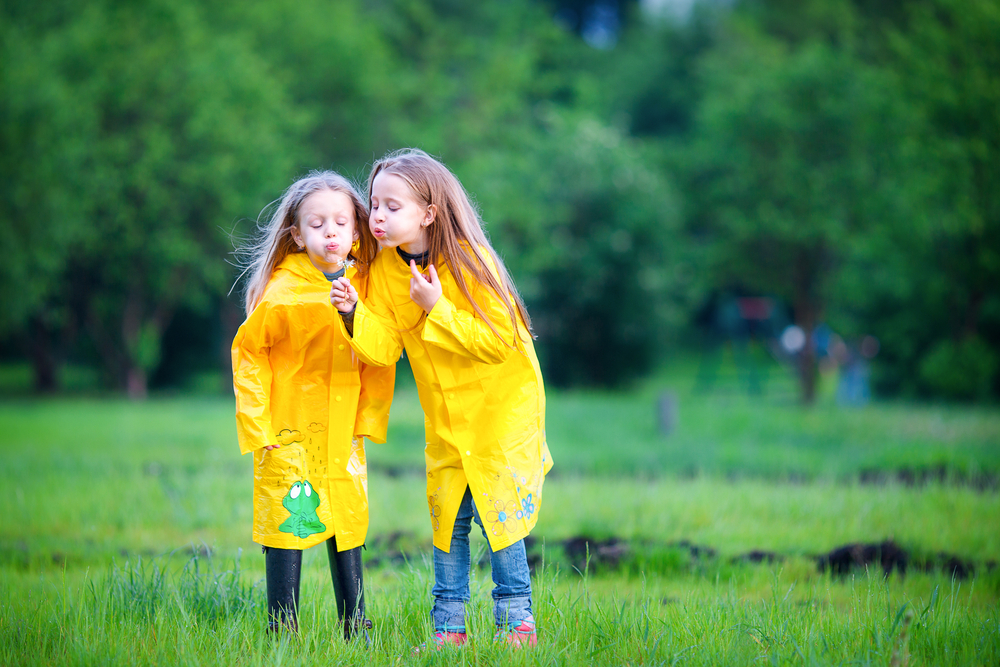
(124, 536)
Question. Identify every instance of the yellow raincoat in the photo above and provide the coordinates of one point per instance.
(484, 403)
(298, 384)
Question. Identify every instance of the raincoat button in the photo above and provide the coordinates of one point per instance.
(340, 347)
(338, 398)
(451, 395)
(336, 460)
(468, 452)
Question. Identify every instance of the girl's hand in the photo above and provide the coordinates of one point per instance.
(343, 296)
(424, 290)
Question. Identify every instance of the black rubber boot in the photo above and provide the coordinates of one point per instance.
(348, 587)
(283, 568)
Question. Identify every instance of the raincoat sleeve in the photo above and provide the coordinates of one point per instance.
(376, 340)
(463, 332)
(377, 384)
(252, 377)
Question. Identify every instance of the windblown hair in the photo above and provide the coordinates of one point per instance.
(273, 241)
(456, 237)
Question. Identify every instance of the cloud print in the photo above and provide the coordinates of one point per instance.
(316, 427)
(287, 437)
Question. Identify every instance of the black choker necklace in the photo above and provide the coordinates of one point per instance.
(420, 259)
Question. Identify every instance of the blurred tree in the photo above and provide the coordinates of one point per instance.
(43, 156)
(598, 22)
(468, 76)
(838, 153)
(650, 82)
(949, 63)
(337, 69)
(176, 127)
(797, 155)
(938, 309)
(594, 242)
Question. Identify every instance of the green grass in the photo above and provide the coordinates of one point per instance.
(730, 433)
(137, 613)
(109, 509)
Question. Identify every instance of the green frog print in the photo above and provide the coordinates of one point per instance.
(301, 502)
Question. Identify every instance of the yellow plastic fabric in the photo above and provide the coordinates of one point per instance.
(299, 385)
(484, 402)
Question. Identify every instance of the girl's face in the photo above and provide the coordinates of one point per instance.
(397, 217)
(326, 229)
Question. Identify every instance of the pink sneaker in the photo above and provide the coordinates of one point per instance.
(520, 636)
(441, 640)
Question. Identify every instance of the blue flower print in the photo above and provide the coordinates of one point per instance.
(528, 505)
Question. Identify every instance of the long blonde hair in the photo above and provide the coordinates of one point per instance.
(456, 238)
(273, 241)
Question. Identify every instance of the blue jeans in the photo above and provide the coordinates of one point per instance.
(511, 579)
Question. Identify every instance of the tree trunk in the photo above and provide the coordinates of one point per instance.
(143, 337)
(135, 374)
(136, 384)
(806, 314)
(971, 325)
(807, 357)
(43, 360)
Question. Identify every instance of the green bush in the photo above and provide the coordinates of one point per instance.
(959, 370)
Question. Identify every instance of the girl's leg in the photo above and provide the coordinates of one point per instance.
(283, 569)
(511, 584)
(451, 574)
(348, 587)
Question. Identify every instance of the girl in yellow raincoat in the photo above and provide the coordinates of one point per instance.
(304, 402)
(466, 334)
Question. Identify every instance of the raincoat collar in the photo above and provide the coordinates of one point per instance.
(298, 264)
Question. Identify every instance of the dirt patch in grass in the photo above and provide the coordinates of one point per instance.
(922, 476)
(584, 553)
(889, 556)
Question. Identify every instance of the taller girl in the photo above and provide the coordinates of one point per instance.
(467, 336)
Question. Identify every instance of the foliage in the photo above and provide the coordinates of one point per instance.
(158, 162)
(960, 370)
(837, 154)
(593, 244)
(939, 293)
(795, 152)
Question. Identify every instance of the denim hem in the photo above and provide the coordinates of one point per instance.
(507, 615)
(449, 628)
(510, 596)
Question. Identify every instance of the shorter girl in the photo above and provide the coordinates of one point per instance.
(304, 404)
(466, 334)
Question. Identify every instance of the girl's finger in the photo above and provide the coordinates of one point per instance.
(413, 270)
(433, 275)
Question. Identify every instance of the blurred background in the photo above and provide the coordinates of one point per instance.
(807, 185)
